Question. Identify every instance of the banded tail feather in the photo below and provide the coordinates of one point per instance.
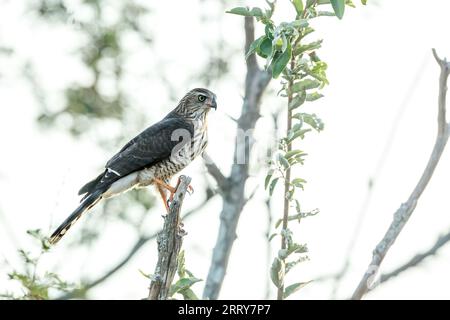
(90, 201)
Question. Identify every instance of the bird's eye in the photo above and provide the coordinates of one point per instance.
(201, 98)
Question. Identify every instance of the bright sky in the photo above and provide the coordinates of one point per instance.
(380, 66)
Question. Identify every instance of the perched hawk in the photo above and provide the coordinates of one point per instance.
(152, 157)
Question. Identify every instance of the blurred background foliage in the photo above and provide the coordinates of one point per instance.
(102, 99)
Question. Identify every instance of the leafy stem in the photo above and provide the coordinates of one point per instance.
(289, 55)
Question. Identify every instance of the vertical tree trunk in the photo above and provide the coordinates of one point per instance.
(232, 187)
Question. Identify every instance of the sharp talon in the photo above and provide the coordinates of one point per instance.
(190, 190)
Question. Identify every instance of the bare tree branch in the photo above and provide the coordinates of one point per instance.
(402, 214)
(215, 172)
(417, 259)
(170, 241)
(234, 198)
(362, 213)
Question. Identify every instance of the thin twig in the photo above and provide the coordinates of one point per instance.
(402, 214)
(417, 259)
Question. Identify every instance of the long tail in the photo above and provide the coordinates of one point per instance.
(90, 201)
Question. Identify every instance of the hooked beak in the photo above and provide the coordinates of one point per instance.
(212, 103)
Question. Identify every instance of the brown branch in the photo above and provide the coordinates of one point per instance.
(234, 197)
(287, 178)
(402, 214)
(169, 246)
(417, 259)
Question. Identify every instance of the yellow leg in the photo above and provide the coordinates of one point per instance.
(161, 184)
(163, 197)
(165, 185)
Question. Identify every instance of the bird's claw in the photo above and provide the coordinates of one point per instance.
(190, 190)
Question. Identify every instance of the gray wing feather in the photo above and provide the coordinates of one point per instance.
(153, 145)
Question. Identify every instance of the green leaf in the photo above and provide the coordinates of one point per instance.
(256, 12)
(265, 48)
(282, 254)
(273, 235)
(308, 47)
(293, 288)
(298, 182)
(313, 96)
(325, 14)
(338, 7)
(297, 207)
(278, 223)
(298, 100)
(181, 270)
(305, 85)
(300, 133)
(254, 46)
(268, 177)
(312, 119)
(272, 186)
(280, 62)
(350, 3)
(309, 3)
(182, 284)
(364, 2)
(292, 153)
(296, 248)
(268, 30)
(290, 194)
(284, 43)
(298, 4)
(283, 161)
(296, 127)
(302, 23)
(245, 11)
(189, 273)
(188, 294)
(323, 2)
(277, 272)
(292, 264)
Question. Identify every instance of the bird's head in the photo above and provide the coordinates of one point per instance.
(196, 103)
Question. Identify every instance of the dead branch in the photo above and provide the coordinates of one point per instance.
(169, 245)
(402, 215)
